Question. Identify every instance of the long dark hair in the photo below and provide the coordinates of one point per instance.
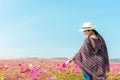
(99, 37)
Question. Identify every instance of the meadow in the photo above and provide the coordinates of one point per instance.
(46, 69)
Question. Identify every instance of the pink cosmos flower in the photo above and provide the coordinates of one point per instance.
(19, 64)
(64, 65)
(34, 71)
(26, 70)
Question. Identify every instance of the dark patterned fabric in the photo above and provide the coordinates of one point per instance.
(93, 57)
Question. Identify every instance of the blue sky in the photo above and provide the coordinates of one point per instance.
(50, 28)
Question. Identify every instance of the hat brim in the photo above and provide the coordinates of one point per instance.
(87, 29)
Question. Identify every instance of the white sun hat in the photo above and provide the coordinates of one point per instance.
(87, 26)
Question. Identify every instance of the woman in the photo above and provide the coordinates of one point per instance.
(92, 56)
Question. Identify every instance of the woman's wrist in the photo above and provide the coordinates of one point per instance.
(72, 59)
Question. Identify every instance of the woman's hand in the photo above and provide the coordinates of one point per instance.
(69, 61)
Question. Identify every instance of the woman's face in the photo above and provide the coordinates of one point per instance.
(88, 32)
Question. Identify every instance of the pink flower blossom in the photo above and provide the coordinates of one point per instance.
(64, 65)
(19, 64)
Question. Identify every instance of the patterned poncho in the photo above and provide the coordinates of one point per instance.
(93, 57)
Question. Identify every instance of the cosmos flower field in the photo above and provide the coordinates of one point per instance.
(46, 69)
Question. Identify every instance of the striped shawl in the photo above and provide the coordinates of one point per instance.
(93, 57)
